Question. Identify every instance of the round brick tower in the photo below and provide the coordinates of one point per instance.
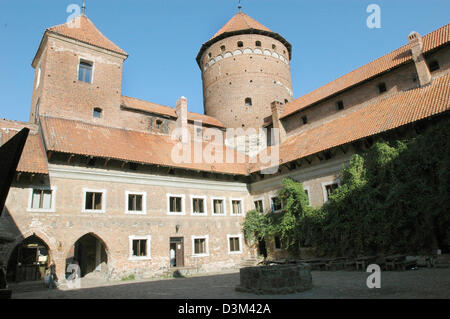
(245, 67)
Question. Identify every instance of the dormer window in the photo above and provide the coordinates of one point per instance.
(340, 105)
(85, 71)
(240, 44)
(433, 66)
(248, 102)
(98, 113)
(382, 87)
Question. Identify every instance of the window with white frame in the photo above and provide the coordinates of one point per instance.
(218, 206)
(136, 203)
(328, 189)
(236, 206)
(198, 205)
(259, 205)
(42, 199)
(140, 247)
(277, 205)
(94, 201)
(234, 244)
(200, 246)
(175, 204)
(308, 193)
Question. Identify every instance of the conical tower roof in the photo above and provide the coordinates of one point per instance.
(87, 32)
(241, 23)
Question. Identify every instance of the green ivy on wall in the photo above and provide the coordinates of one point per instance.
(393, 198)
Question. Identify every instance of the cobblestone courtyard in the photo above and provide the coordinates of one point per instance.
(422, 283)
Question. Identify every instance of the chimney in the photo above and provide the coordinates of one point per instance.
(415, 40)
(182, 124)
(277, 110)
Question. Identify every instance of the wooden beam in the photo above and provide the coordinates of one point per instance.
(106, 162)
(50, 153)
(18, 176)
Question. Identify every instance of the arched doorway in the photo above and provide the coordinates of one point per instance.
(90, 253)
(28, 261)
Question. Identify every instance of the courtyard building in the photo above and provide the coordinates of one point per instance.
(98, 184)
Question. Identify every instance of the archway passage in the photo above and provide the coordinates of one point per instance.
(28, 260)
(90, 254)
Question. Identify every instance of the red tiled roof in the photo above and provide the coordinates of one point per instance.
(145, 106)
(241, 21)
(392, 112)
(87, 33)
(395, 58)
(242, 24)
(74, 137)
(34, 159)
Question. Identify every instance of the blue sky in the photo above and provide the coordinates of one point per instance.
(329, 38)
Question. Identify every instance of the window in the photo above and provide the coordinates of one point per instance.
(259, 205)
(240, 44)
(42, 199)
(236, 206)
(305, 119)
(286, 101)
(382, 87)
(140, 247)
(218, 205)
(258, 43)
(248, 102)
(98, 112)
(276, 204)
(136, 203)
(307, 192)
(38, 80)
(93, 201)
(234, 244)
(158, 124)
(433, 66)
(328, 189)
(223, 48)
(274, 46)
(85, 71)
(198, 207)
(340, 105)
(200, 246)
(175, 204)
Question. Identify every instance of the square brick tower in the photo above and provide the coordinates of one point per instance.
(78, 74)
